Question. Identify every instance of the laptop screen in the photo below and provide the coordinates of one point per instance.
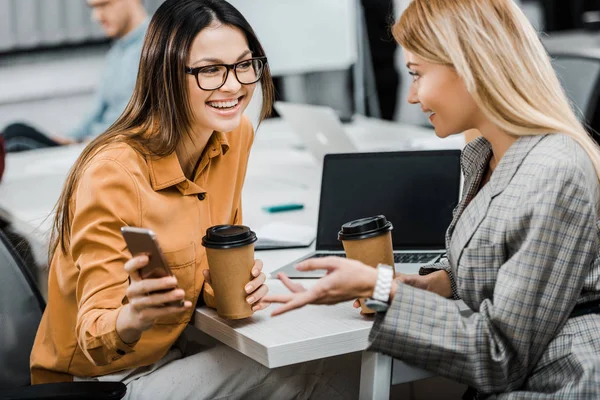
(415, 190)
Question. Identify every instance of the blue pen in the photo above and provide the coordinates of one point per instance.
(283, 207)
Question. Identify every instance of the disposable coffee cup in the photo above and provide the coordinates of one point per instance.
(368, 240)
(230, 253)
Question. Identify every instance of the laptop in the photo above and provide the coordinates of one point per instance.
(415, 190)
(319, 128)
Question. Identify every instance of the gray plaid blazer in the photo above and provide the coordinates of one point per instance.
(522, 252)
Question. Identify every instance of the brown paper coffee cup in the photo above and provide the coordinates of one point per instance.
(372, 250)
(230, 253)
(230, 272)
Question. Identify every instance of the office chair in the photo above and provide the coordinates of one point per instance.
(579, 73)
(21, 308)
(22, 246)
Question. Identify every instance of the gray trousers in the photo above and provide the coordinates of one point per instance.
(215, 371)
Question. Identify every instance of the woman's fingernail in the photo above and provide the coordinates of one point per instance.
(255, 308)
(248, 288)
(250, 300)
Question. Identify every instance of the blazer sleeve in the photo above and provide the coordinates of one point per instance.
(442, 265)
(106, 199)
(553, 242)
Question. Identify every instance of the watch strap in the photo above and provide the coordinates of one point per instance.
(383, 286)
(376, 305)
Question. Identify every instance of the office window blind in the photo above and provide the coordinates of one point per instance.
(28, 24)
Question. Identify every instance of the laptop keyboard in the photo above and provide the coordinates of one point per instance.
(414, 258)
(399, 258)
(321, 255)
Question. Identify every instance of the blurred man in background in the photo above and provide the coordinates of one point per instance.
(126, 22)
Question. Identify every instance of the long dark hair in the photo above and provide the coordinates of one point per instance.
(159, 111)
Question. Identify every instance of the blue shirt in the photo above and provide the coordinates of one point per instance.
(116, 84)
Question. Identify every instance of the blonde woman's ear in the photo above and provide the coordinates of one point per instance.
(471, 134)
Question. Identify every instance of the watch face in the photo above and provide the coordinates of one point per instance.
(376, 305)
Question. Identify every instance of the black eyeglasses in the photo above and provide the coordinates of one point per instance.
(212, 77)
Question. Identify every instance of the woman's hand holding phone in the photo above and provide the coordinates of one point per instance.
(148, 299)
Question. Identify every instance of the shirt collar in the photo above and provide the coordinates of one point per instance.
(217, 144)
(166, 171)
(136, 35)
(475, 156)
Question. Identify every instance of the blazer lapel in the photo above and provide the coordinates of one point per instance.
(468, 223)
(512, 160)
(474, 159)
(475, 203)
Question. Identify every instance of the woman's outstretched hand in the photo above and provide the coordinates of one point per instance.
(345, 280)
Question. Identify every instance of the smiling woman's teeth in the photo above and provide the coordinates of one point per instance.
(223, 104)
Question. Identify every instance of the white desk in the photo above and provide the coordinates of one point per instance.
(310, 333)
(277, 172)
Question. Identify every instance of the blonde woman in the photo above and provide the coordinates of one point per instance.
(523, 248)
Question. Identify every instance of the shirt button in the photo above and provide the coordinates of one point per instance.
(201, 196)
(120, 352)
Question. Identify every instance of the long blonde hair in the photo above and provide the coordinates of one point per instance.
(497, 53)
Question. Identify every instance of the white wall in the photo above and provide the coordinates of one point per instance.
(405, 112)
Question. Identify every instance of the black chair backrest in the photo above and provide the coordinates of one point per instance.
(21, 308)
(579, 73)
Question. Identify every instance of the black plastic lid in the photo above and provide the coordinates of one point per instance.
(365, 228)
(228, 236)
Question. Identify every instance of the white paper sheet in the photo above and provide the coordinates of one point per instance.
(284, 235)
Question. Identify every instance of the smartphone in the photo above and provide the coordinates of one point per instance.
(142, 241)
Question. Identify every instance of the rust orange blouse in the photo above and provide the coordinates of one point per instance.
(86, 288)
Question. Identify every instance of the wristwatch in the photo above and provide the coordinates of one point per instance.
(381, 294)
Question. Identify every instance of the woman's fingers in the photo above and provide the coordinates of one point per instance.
(414, 280)
(291, 285)
(260, 306)
(145, 286)
(255, 283)
(328, 263)
(206, 274)
(133, 266)
(153, 313)
(257, 294)
(257, 268)
(278, 298)
(157, 299)
(298, 300)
